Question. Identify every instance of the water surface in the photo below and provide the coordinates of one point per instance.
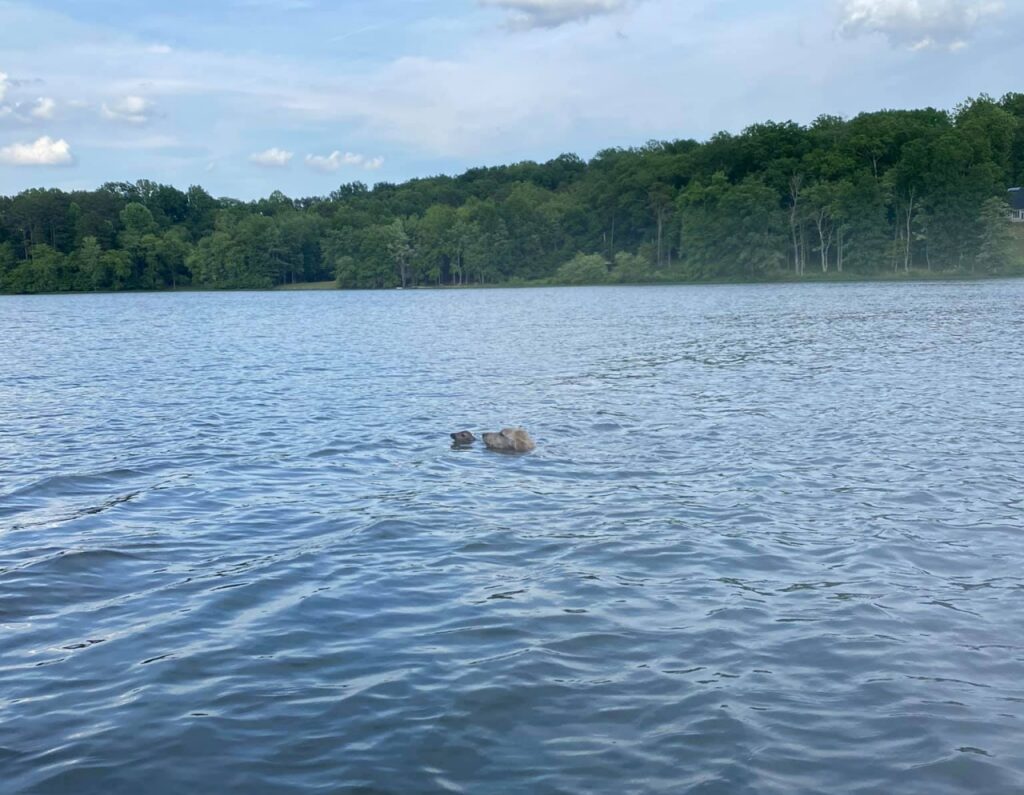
(770, 541)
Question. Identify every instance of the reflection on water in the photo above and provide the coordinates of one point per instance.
(770, 541)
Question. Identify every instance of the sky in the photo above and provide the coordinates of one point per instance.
(246, 97)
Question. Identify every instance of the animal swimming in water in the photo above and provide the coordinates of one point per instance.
(510, 440)
(462, 439)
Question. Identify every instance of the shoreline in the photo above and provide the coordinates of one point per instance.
(331, 286)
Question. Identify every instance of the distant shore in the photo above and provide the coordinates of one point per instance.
(818, 278)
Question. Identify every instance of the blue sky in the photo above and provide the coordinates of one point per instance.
(250, 96)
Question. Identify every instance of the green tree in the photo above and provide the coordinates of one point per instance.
(630, 269)
(8, 263)
(136, 239)
(822, 205)
(90, 266)
(732, 230)
(583, 269)
(436, 246)
(401, 251)
(995, 250)
(896, 189)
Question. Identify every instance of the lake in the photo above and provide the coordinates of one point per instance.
(770, 541)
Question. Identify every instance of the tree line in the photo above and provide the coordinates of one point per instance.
(888, 191)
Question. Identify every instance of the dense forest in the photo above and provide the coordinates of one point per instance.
(886, 192)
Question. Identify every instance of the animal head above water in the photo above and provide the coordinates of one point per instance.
(463, 438)
(510, 440)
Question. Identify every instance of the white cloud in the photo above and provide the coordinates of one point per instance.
(529, 14)
(44, 108)
(477, 95)
(43, 152)
(4, 85)
(159, 49)
(336, 160)
(272, 158)
(330, 163)
(488, 100)
(130, 109)
(917, 24)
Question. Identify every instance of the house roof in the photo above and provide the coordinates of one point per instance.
(1017, 198)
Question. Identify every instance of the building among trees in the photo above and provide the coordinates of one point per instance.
(1017, 204)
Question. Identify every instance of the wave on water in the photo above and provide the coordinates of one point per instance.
(769, 543)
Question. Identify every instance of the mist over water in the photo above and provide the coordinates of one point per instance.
(770, 541)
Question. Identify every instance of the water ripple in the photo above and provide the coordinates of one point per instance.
(770, 542)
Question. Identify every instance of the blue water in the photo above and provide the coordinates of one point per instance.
(770, 541)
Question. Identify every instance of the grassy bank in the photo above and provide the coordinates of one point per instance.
(776, 278)
(331, 285)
